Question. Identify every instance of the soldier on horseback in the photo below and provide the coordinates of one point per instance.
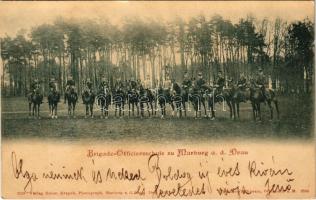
(52, 85)
(70, 84)
(241, 84)
(88, 86)
(261, 82)
(35, 87)
(220, 82)
(200, 83)
(133, 84)
(186, 83)
(147, 82)
(167, 84)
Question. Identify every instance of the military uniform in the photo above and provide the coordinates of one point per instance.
(186, 84)
(167, 84)
(200, 83)
(133, 84)
(35, 84)
(89, 86)
(52, 85)
(261, 82)
(242, 83)
(147, 84)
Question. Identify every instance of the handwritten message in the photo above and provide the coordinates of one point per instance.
(159, 174)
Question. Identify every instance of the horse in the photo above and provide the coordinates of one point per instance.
(215, 96)
(53, 100)
(178, 98)
(146, 97)
(119, 101)
(35, 99)
(163, 97)
(132, 100)
(257, 97)
(88, 98)
(104, 100)
(72, 97)
(240, 95)
(197, 97)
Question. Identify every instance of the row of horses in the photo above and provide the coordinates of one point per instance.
(151, 101)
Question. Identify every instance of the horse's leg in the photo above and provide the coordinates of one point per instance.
(234, 105)
(184, 109)
(259, 111)
(33, 110)
(179, 108)
(200, 109)
(122, 106)
(229, 103)
(152, 108)
(147, 103)
(276, 103)
(38, 111)
(212, 111)
(30, 109)
(68, 109)
(73, 109)
(203, 103)
(129, 109)
(56, 110)
(142, 109)
(101, 109)
(120, 109)
(91, 110)
(254, 110)
(87, 110)
(172, 106)
(271, 109)
(237, 106)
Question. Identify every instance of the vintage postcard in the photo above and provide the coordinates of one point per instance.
(154, 100)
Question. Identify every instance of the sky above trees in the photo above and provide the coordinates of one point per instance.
(24, 15)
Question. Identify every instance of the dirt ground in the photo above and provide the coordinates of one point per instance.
(296, 122)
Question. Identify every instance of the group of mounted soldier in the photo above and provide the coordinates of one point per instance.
(135, 93)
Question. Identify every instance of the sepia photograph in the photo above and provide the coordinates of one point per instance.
(206, 86)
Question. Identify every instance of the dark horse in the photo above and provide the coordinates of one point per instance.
(88, 98)
(240, 95)
(197, 98)
(132, 100)
(53, 100)
(71, 97)
(257, 97)
(35, 99)
(119, 101)
(178, 98)
(146, 97)
(104, 100)
(216, 96)
(163, 97)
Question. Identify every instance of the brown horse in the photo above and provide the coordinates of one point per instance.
(35, 100)
(258, 96)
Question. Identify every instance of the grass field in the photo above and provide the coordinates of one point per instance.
(296, 122)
